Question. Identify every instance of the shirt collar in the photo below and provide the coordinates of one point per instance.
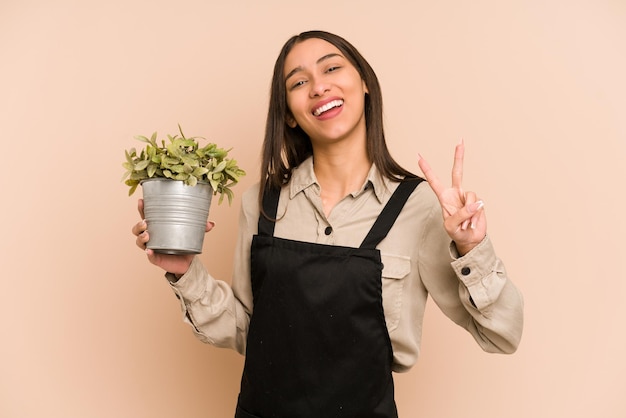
(303, 177)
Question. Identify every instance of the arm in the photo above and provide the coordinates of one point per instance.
(476, 293)
(218, 313)
(473, 290)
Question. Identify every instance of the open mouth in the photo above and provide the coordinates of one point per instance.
(325, 108)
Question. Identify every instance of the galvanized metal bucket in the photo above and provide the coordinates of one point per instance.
(176, 215)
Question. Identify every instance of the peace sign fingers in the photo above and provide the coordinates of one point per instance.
(460, 209)
(451, 198)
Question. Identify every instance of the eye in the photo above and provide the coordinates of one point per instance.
(297, 84)
(333, 68)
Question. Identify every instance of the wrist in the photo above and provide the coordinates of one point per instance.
(464, 248)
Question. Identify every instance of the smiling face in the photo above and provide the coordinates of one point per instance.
(325, 93)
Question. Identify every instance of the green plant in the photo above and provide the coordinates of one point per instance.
(182, 159)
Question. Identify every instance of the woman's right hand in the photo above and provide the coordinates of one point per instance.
(175, 264)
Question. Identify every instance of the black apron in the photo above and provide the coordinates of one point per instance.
(318, 345)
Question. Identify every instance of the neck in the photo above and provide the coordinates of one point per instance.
(339, 174)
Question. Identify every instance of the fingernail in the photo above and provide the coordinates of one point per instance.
(476, 206)
(144, 223)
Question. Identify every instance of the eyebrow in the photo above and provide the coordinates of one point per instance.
(299, 68)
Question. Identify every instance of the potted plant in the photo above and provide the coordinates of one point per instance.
(178, 179)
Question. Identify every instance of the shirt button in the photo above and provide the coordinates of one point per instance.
(328, 230)
(465, 271)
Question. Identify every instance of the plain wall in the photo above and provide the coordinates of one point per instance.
(536, 88)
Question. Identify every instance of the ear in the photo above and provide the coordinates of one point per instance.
(291, 122)
(365, 89)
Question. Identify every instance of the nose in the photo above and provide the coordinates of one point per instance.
(318, 87)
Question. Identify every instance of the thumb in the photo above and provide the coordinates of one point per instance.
(140, 207)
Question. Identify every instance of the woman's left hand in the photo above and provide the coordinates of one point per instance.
(463, 213)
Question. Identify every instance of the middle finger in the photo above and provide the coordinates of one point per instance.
(457, 167)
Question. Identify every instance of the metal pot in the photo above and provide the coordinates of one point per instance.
(176, 215)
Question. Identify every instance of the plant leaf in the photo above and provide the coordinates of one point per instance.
(141, 165)
(220, 167)
(178, 168)
(229, 193)
(200, 171)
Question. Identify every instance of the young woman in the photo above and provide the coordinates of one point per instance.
(338, 249)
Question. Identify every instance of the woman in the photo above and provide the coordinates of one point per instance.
(338, 249)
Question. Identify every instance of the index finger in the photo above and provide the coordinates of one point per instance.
(432, 179)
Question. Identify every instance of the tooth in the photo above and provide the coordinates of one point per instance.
(327, 106)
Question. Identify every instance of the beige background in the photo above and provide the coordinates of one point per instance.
(535, 87)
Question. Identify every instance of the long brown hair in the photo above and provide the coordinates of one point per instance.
(284, 148)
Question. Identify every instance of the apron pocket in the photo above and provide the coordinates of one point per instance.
(395, 269)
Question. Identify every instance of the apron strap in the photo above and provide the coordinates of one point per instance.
(379, 230)
(270, 207)
(390, 213)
